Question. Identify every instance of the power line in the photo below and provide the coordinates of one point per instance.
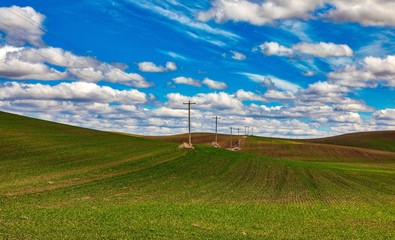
(52, 61)
(34, 23)
(23, 16)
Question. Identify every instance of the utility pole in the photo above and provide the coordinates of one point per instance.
(248, 130)
(189, 103)
(231, 136)
(216, 128)
(245, 130)
(252, 131)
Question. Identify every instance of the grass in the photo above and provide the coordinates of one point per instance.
(63, 182)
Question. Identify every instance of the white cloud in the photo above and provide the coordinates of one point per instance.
(243, 95)
(279, 95)
(271, 80)
(385, 114)
(92, 109)
(214, 84)
(258, 13)
(348, 117)
(76, 91)
(206, 101)
(174, 55)
(352, 107)
(151, 67)
(238, 56)
(187, 81)
(324, 88)
(308, 73)
(12, 67)
(183, 19)
(365, 12)
(320, 49)
(274, 48)
(168, 112)
(323, 49)
(370, 72)
(19, 31)
(208, 39)
(31, 63)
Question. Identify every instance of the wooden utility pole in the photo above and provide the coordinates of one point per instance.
(189, 103)
(216, 128)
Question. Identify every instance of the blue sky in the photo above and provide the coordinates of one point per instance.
(287, 68)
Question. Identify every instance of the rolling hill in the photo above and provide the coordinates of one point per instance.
(381, 140)
(64, 182)
(372, 147)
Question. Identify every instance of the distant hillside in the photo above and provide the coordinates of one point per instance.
(381, 140)
(326, 149)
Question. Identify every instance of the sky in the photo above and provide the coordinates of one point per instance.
(297, 69)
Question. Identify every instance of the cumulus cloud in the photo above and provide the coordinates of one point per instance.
(369, 73)
(324, 88)
(365, 12)
(75, 91)
(151, 67)
(274, 48)
(384, 118)
(320, 49)
(187, 81)
(385, 114)
(168, 112)
(214, 84)
(329, 93)
(64, 104)
(279, 95)
(19, 31)
(206, 101)
(257, 13)
(22, 63)
(352, 106)
(12, 67)
(238, 56)
(243, 95)
(323, 49)
(348, 117)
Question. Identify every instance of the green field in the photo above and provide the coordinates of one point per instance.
(63, 182)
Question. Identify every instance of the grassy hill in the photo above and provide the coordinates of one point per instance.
(64, 182)
(382, 140)
(373, 147)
